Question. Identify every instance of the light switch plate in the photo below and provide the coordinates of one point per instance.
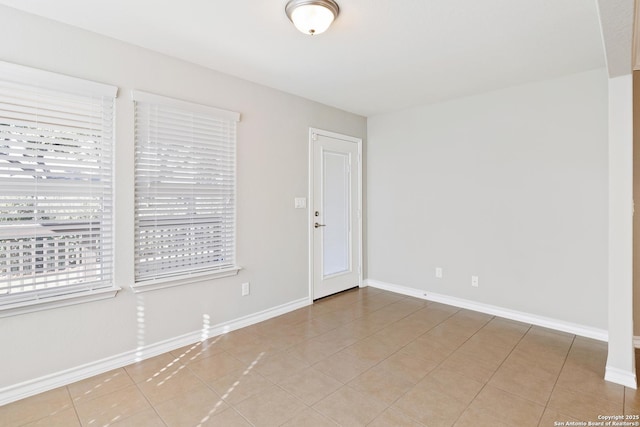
(300, 202)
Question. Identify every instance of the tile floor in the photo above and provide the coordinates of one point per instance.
(364, 357)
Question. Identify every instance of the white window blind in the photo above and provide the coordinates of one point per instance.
(185, 193)
(56, 229)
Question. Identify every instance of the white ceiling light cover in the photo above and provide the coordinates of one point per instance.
(312, 17)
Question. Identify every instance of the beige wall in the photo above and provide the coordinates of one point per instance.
(272, 170)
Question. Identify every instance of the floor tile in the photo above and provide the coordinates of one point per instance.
(112, 407)
(400, 335)
(318, 325)
(239, 385)
(171, 383)
(437, 311)
(388, 315)
(589, 354)
(65, 418)
(407, 366)
(456, 385)
(553, 418)
(287, 338)
(272, 407)
(227, 418)
(151, 368)
(372, 349)
(470, 366)
(475, 418)
(281, 366)
(192, 408)
(446, 336)
(307, 329)
(361, 328)
(430, 407)
(485, 351)
(349, 407)
(147, 418)
(194, 352)
(364, 357)
(339, 337)
(99, 385)
(407, 306)
(548, 340)
(33, 408)
(249, 353)
(343, 366)
(313, 351)
(217, 366)
(582, 406)
(427, 348)
(394, 418)
(631, 401)
(506, 407)
(467, 322)
(586, 379)
(310, 385)
(310, 418)
(549, 362)
(531, 384)
(503, 333)
(379, 384)
(333, 320)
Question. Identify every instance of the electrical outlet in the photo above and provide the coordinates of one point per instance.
(439, 272)
(245, 289)
(474, 281)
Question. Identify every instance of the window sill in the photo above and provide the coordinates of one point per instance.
(152, 285)
(31, 306)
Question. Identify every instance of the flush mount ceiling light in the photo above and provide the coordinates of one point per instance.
(312, 16)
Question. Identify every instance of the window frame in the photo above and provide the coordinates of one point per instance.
(65, 295)
(197, 276)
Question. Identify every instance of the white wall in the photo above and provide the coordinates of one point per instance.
(272, 170)
(509, 185)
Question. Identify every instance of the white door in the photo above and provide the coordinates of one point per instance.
(335, 212)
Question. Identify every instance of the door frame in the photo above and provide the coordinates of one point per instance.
(310, 229)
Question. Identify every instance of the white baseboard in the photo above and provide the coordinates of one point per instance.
(546, 322)
(49, 382)
(618, 376)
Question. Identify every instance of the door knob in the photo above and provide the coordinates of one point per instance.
(316, 225)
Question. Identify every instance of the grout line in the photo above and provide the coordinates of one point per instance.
(496, 370)
(148, 401)
(436, 367)
(73, 405)
(564, 362)
(342, 348)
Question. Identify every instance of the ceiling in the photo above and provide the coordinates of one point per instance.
(379, 56)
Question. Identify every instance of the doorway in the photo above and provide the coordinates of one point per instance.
(335, 214)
